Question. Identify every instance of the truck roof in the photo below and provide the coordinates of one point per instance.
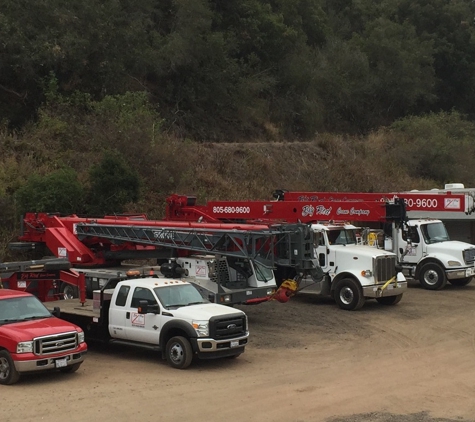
(153, 282)
(12, 293)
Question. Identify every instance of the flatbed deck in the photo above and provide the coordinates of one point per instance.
(73, 306)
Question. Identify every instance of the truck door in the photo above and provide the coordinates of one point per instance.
(144, 328)
(411, 245)
(321, 249)
(118, 313)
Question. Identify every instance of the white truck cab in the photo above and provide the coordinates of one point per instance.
(224, 279)
(166, 315)
(355, 272)
(425, 252)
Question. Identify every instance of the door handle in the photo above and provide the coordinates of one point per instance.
(127, 315)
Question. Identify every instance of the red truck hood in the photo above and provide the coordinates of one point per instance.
(28, 330)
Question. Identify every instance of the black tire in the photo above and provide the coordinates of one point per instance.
(432, 277)
(8, 373)
(179, 352)
(460, 281)
(70, 369)
(69, 291)
(348, 294)
(389, 300)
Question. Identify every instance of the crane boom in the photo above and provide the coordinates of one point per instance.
(183, 208)
(437, 201)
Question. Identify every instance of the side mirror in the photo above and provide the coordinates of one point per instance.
(56, 312)
(145, 308)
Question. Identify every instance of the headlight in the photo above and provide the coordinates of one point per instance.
(270, 292)
(24, 347)
(201, 328)
(226, 298)
(80, 337)
(454, 264)
(366, 273)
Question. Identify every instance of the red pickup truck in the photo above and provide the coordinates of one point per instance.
(32, 339)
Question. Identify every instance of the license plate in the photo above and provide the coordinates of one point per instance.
(61, 363)
(234, 343)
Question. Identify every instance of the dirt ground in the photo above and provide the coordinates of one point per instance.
(307, 361)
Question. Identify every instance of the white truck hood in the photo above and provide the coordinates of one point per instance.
(204, 311)
(360, 251)
(450, 249)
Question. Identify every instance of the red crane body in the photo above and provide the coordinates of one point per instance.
(60, 235)
(183, 208)
(414, 201)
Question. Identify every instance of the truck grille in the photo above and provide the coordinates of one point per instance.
(223, 327)
(469, 255)
(56, 344)
(384, 268)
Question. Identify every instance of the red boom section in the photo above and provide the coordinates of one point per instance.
(42, 278)
(415, 201)
(59, 234)
(183, 208)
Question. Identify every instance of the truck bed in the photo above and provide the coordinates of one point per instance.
(74, 307)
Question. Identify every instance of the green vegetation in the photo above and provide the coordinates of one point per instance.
(111, 107)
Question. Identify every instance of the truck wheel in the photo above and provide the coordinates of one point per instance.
(8, 374)
(70, 369)
(389, 300)
(348, 294)
(432, 277)
(179, 353)
(71, 292)
(460, 281)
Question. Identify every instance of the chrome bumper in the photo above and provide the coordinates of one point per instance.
(392, 289)
(48, 363)
(460, 273)
(206, 345)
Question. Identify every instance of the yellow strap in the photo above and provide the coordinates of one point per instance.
(388, 282)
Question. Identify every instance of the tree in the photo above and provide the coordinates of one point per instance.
(59, 191)
(113, 184)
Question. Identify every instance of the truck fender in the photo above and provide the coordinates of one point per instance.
(425, 261)
(340, 276)
(174, 328)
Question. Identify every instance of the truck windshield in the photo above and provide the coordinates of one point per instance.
(341, 237)
(22, 309)
(263, 273)
(178, 295)
(434, 232)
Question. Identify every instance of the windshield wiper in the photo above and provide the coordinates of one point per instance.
(195, 303)
(36, 317)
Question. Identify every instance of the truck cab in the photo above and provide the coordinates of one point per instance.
(426, 252)
(356, 272)
(162, 314)
(224, 279)
(33, 340)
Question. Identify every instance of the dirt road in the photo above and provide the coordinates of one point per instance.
(307, 361)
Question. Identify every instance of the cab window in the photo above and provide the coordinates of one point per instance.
(141, 293)
(122, 295)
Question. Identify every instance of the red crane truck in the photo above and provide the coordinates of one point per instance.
(227, 263)
(423, 246)
(354, 272)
